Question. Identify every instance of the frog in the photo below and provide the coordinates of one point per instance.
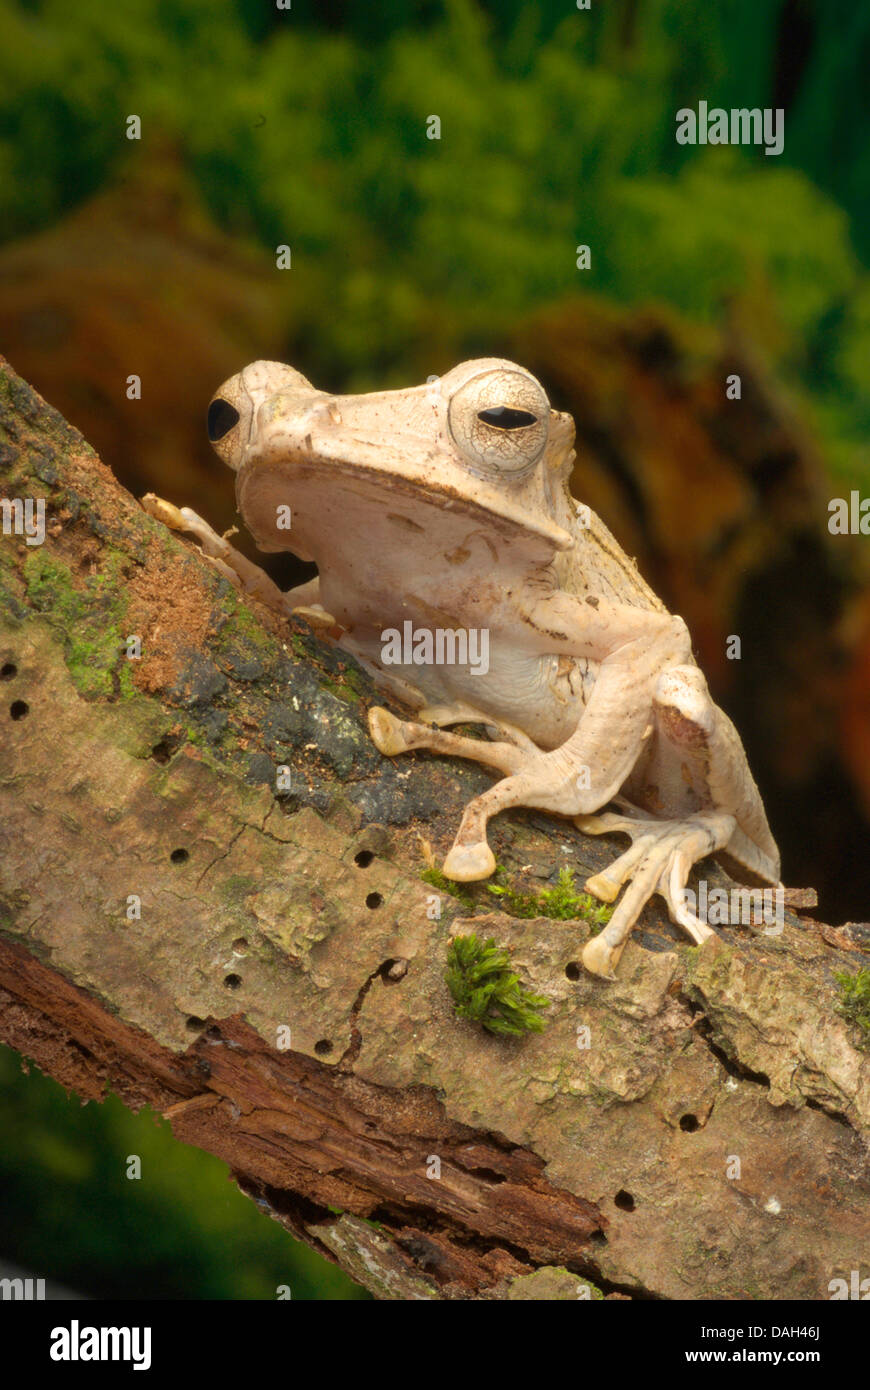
(445, 508)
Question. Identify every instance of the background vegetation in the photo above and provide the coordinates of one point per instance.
(308, 127)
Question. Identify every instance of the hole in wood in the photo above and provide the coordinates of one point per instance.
(689, 1123)
(179, 856)
(374, 900)
(18, 709)
(163, 751)
(233, 981)
(8, 670)
(572, 970)
(392, 971)
(363, 859)
(624, 1200)
(323, 1047)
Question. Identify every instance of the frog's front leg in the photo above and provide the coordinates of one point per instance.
(393, 736)
(303, 601)
(231, 563)
(588, 770)
(590, 767)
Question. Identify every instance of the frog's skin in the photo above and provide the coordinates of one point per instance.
(434, 505)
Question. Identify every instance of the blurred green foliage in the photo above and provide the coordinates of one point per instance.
(308, 127)
(68, 1211)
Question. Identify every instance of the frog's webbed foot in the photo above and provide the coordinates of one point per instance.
(659, 861)
(228, 561)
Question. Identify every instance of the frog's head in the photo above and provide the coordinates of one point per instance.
(479, 443)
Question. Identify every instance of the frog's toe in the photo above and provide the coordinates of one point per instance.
(600, 957)
(468, 863)
(606, 885)
(386, 732)
(315, 616)
(603, 888)
(164, 511)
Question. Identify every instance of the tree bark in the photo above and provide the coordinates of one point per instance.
(266, 967)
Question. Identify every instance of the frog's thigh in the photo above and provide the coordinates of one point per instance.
(707, 748)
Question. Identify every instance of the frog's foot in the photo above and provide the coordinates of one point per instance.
(659, 861)
(228, 561)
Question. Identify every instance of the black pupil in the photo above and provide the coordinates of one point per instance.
(504, 418)
(221, 418)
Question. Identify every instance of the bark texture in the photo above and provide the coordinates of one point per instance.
(705, 1138)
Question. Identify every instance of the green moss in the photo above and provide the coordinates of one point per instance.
(241, 630)
(348, 687)
(375, 1225)
(127, 689)
(453, 890)
(486, 991)
(302, 648)
(89, 619)
(237, 887)
(563, 902)
(341, 691)
(854, 1002)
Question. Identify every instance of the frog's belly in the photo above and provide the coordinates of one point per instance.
(542, 695)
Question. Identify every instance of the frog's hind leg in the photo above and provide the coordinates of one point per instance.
(696, 756)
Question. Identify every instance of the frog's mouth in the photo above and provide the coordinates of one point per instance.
(306, 505)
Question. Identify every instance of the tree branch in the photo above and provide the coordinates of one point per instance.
(166, 917)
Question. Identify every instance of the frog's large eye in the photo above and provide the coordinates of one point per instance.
(221, 418)
(500, 420)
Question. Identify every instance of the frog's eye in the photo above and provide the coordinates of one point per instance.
(500, 420)
(221, 418)
(504, 418)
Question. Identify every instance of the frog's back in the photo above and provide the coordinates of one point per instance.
(598, 565)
